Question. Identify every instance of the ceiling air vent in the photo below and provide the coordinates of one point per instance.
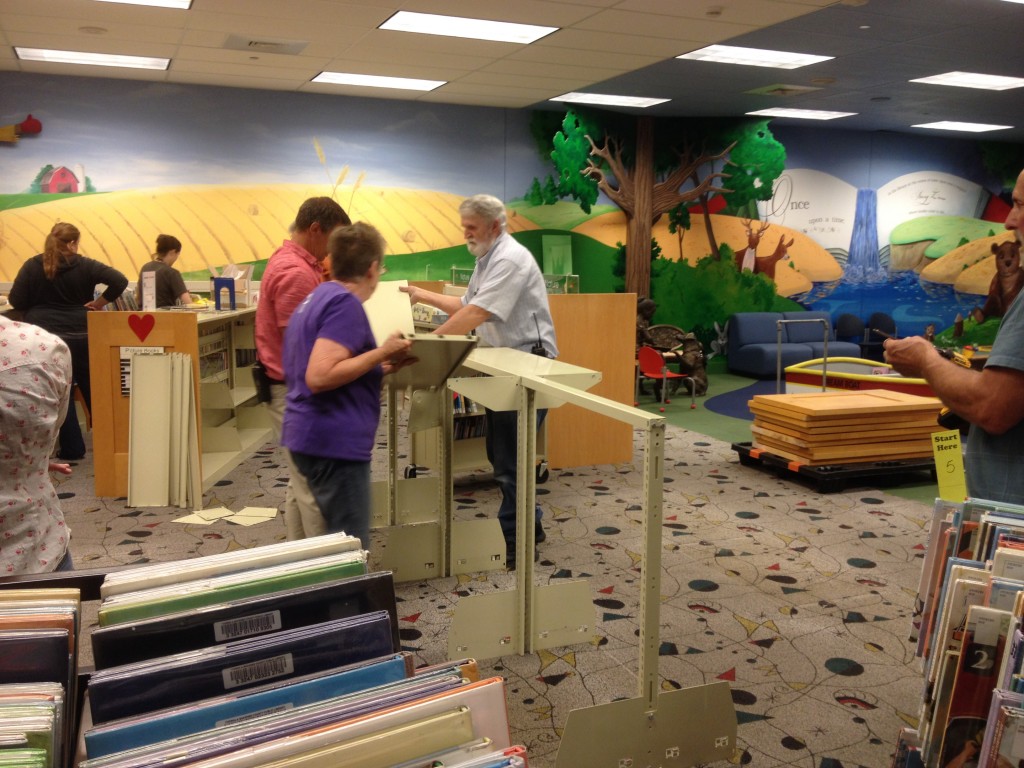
(265, 45)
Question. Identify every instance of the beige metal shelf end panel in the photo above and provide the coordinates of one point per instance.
(412, 552)
(499, 362)
(489, 626)
(688, 727)
(477, 545)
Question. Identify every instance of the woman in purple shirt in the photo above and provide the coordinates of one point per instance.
(333, 369)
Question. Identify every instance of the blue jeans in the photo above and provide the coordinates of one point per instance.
(342, 491)
(502, 444)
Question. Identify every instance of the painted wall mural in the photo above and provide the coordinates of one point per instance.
(846, 222)
(902, 246)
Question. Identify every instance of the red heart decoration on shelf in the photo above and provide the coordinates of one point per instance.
(141, 325)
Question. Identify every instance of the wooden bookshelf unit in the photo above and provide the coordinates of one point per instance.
(222, 346)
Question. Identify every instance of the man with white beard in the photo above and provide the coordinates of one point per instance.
(506, 303)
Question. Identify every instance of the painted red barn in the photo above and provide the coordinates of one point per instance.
(61, 179)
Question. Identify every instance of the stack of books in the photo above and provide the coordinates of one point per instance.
(821, 428)
(967, 625)
(280, 655)
(38, 675)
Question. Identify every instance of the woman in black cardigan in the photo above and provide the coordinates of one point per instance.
(56, 290)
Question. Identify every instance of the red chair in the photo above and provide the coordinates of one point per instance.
(651, 365)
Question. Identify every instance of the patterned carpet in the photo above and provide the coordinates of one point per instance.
(800, 600)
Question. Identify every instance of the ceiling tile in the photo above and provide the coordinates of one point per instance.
(531, 69)
(758, 13)
(604, 46)
(541, 12)
(590, 40)
(622, 62)
(669, 27)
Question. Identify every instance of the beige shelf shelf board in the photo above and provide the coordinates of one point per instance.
(438, 357)
(218, 464)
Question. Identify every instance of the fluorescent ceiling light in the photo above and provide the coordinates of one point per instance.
(801, 114)
(951, 125)
(181, 4)
(457, 26)
(608, 100)
(378, 81)
(974, 80)
(94, 59)
(753, 57)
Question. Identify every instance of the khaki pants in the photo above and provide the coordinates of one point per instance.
(302, 517)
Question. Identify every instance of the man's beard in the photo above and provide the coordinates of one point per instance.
(479, 248)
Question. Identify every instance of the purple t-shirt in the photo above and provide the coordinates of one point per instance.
(341, 423)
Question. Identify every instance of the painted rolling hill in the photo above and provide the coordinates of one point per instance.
(220, 225)
(810, 262)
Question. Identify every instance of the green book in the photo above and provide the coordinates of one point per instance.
(29, 728)
(191, 595)
(24, 758)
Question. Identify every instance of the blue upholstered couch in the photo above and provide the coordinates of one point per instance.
(753, 347)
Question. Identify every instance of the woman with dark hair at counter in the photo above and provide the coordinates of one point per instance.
(170, 287)
(56, 290)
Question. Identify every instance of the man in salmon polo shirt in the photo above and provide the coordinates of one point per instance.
(291, 274)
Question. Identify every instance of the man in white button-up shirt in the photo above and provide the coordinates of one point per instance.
(506, 303)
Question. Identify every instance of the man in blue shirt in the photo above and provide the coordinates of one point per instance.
(506, 303)
(992, 400)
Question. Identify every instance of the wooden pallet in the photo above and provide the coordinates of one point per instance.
(830, 478)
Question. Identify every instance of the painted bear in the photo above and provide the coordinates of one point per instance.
(1006, 284)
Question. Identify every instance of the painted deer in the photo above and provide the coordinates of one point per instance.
(766, 264)
(745, 257)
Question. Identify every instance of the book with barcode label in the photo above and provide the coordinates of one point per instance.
(247, 617)
(181, 721)
(166, 681)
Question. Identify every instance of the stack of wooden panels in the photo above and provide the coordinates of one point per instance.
(817, 428)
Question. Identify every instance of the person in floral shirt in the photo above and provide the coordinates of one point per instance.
(35, 386)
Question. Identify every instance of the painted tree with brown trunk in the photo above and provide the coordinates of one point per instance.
(644, 176)
(642, 197)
